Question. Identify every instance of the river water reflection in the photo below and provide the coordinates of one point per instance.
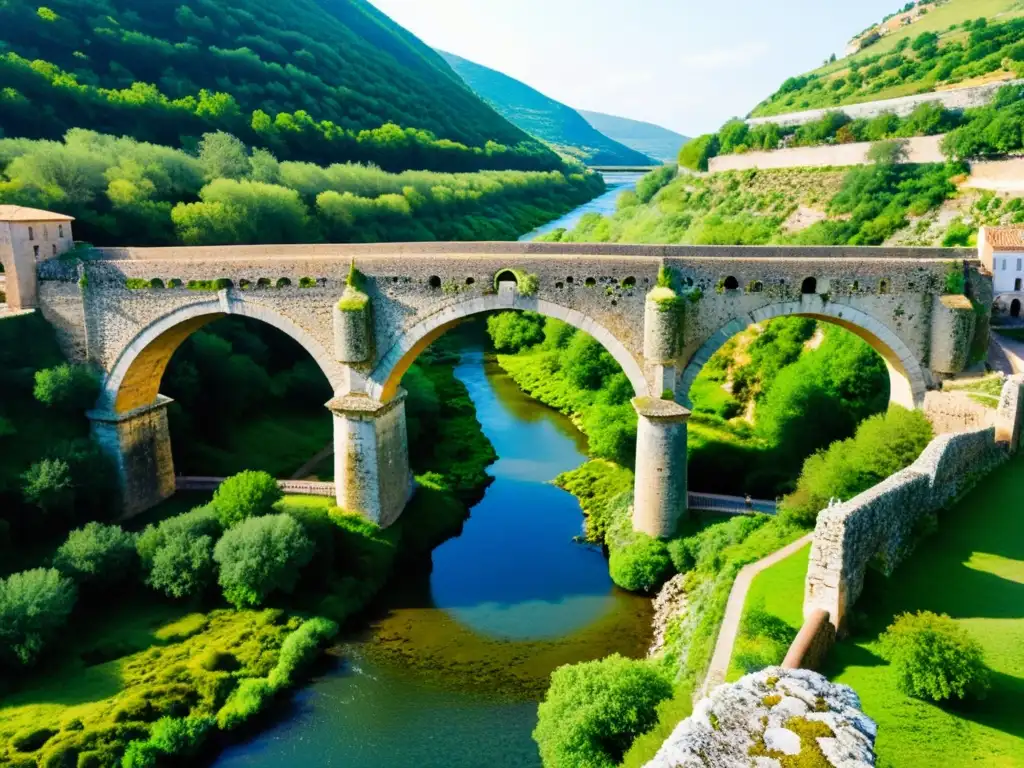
(450, 669)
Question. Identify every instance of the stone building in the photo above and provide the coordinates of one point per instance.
(1001, 252)
(28, 236)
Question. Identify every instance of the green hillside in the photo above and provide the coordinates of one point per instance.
(648, 138)
(551, 121)
(314, 80)
(957, 44)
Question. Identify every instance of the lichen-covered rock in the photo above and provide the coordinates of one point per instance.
(775, 718)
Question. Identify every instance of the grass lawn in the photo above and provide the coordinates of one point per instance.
(777, 593)
(973, 570)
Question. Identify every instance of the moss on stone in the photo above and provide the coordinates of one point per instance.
(353, 300)
(772, 700)
(810, 755)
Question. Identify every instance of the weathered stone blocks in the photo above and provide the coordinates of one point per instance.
(139, 443)
(659, 496)
(952, 331)
(662, 318)
(353, 328)
(371, 457)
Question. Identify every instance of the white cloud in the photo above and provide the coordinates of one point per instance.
(723, 58)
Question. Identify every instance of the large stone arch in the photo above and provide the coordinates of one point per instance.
(907, 377)
(383, 381)
(133, 382)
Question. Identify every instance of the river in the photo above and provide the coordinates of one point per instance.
(604, 204)
(450, 667)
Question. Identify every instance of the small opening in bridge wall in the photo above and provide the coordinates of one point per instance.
(568, 280)
(883, 286)
(156, 282)
(284, 282)
(263, 282)
(809, 286)
(559, 285)
(856, 286)
(470, 281)
(591, 282)
(434, 281)
(244, 285)
(629, 282)
(756, 287)
(731, 283)
(506, 276)
(175, 283)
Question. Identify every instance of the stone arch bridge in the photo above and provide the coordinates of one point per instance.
(128, 309)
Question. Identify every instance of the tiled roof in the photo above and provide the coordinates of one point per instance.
(21, 213)
(1005, 238)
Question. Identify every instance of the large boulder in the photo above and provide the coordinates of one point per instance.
(775, 718)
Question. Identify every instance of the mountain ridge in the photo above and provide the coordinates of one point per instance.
(651, 139)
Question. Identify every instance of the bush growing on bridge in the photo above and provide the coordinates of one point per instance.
(97, 554)
(177, 554)
(34, 606)
(247, 494)
(69, 388)
(935, 658)
(260, 556)
(593, 711)
(514, 331)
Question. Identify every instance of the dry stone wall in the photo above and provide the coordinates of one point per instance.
(920, 149)
(879, 527)
(960, 98)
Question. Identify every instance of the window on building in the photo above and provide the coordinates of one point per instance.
(1016, 284)
(31, 234)
(1004, 265)
(46, 232)
(55, 251)
(1018, 265)
(35, 251)
(60, 230)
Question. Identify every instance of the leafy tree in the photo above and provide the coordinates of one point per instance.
(696, 153)
(247, 494)
(935, 658)
(49, 486)
(97, 553)
(513, 331)
(224, 157)
(34, 606)
(260, 556)
(177, 554)
(70, 388)
(593, 711)
(641, 565)
(586, 363)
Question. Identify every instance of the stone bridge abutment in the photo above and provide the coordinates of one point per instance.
(660, 311)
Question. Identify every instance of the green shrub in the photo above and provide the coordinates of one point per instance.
(593, 711)
(251, 696)
(641, 565)
(513, 331)
(934, 657)
(177, 554)
(97, 553)
(48, 485)
(260, 556)
(34, 606)
(69, 388)
(181, 736)
(247, 494)
(299, 649)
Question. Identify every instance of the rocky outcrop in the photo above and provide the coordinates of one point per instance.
(670, 603)
(774, 718)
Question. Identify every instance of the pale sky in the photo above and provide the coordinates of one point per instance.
(686, 64)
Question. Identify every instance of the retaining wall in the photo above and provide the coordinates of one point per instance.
(879, 527)
(959, 98)
(921, 149)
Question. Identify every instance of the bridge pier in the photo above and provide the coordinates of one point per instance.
(659, 497)
(139, 442)
(371, 456)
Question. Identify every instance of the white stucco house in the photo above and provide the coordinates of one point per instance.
(1001, 250)
(28, 236)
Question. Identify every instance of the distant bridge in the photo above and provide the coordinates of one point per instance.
(623, 168)
(702, 502)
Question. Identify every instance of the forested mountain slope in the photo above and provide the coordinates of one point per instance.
(314, 80)
(557, 124)
(648, 138)
(956, 44)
